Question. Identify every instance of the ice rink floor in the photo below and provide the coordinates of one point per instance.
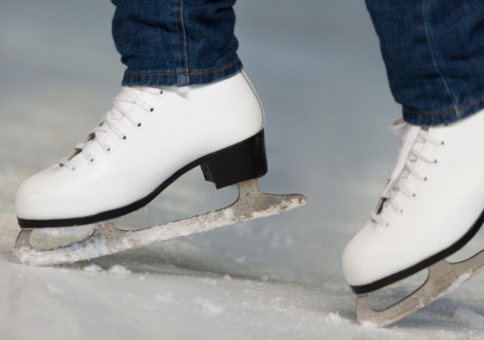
(318, 70)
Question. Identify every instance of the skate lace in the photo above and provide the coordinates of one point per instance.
(108, 123)
(409, 153)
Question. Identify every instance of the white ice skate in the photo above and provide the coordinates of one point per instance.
(431, 207)
(151, 137)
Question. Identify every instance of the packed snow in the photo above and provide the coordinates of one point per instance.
(335, 317)
(93, 268)
(119, 270)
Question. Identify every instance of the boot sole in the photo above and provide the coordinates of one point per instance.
(371, 287)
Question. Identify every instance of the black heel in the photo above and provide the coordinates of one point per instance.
(238, 163)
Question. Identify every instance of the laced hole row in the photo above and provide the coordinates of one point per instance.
(124, 138)
(152, 109)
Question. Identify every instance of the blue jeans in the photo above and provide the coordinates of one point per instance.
(433, 49)
(176, 42)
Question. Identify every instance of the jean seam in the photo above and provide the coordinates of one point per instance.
(429, 41)
(446, 112)
(178, 73)
(185, 59)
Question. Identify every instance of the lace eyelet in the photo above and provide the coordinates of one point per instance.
(139, 125)
(387, 224)
(435, 162)
(425, 179)
(442, 143)
(413, 196)
(401, 212)
(92, 160)
(152, 110)
(162, 93)
(124, 139)
(108, 149)
(72, 168)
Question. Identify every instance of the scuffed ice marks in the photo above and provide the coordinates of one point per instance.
(165, 298)
(208, 306)
(227, 306)
(466, 316)
(54, 290)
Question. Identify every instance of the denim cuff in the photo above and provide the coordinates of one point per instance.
(182, 78)
(415, 117)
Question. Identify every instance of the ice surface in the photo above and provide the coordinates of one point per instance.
(467, 316)
(328, 105)
(165, 298)
(53, 290)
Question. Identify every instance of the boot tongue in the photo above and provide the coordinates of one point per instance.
(115, 114)
(122, 99)
(125, 101)
(418, 145)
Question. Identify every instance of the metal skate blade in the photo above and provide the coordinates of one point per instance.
(107, 239)
(443, 277)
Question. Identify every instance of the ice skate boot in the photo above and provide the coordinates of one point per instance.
(152, 136)
(431, 207)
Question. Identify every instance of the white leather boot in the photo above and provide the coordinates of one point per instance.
(152, 136)
(432, 206)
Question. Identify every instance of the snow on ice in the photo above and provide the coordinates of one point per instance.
(119, 270)
(93, 268)
(209, 307)
(334, 317)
